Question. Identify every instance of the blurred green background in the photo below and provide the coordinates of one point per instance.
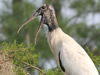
(78, 18)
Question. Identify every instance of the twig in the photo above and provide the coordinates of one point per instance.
(35, 67)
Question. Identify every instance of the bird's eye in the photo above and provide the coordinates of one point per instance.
(43, 7)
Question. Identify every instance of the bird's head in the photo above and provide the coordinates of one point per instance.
(47, 17)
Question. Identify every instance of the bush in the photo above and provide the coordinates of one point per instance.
(25, 59)
(21, 55)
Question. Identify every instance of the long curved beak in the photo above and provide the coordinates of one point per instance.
(28, 20)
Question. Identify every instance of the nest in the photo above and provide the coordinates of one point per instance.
(6, 65)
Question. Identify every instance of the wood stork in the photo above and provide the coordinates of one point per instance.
(70, 56)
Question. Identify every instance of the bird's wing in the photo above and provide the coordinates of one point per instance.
(75, 60)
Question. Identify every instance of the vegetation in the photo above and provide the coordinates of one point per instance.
(21, 55)
(25, 59)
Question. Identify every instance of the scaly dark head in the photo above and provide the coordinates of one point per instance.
(47, 17)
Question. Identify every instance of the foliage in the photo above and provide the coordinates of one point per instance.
(95, 59)
(24, 58)
(54, 72)
(21, 55)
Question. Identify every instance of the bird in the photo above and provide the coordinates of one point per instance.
(70, 56)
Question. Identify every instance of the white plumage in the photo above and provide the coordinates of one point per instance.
(73, 57)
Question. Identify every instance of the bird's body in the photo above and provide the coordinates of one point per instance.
(71, 57)
(74, 59)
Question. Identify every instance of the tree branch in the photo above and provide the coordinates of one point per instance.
(35, 67)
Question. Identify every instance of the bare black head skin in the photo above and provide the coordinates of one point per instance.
(47, 17)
